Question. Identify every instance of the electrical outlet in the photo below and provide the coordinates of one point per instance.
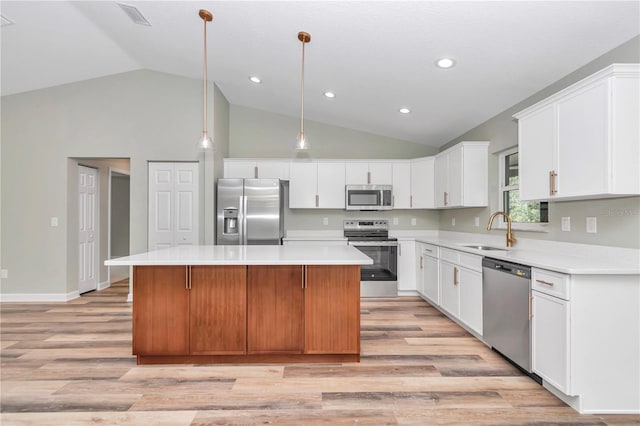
(395, 220)
(4, 273)
(325, 221)
(453, 221)
(592, 225)
(54, 222)
(413, 221)
(566, 224)
(476, 221)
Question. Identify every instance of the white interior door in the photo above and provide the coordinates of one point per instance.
(173, 204)
(88, 235)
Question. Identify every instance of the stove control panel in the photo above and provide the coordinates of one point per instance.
(366, 225)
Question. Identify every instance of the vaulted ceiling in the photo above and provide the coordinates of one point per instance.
(377, 56)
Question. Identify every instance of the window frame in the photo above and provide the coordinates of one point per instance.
(502, 188)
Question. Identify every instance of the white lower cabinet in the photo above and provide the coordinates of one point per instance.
(429, 284)
(471, 299)
(449, 288)
(550, 328)
(550, 339)
(406, 270)
(461, 287)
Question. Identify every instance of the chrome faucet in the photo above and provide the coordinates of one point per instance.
(510, 238)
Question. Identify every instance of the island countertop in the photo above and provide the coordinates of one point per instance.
(246, 255)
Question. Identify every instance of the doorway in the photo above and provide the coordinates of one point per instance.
(119, 212)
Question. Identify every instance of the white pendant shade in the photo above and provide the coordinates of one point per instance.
(301, 143)
(205, 143)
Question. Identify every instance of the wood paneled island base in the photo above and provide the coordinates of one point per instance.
(206, 314)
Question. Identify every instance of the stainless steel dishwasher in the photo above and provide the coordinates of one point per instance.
(506, 310)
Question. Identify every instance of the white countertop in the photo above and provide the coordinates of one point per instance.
(247, 255)
(578, 259)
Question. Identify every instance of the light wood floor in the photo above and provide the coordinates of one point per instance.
(71, 364)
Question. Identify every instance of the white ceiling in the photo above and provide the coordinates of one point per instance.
(377, 56)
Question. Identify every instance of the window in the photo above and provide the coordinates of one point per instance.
(525, 215)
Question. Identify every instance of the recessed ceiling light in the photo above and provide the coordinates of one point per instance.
(445, 63)
(330, 95)
(255, 79)
(404, 110)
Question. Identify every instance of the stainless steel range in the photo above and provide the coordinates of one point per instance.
(372, 238)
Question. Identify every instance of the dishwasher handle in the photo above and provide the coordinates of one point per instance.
(507, 267)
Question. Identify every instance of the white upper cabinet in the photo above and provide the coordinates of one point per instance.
(461, 176)
(401, 171)
(368, 173)
(584, 141)
(249, 169)
(422, 183)
(316, 185)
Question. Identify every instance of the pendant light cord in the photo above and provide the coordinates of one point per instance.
(302, 96)
(204, 82)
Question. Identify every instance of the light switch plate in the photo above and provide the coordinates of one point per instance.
(325, 221)
(4, 273)
(395, 220)
(476, 221)
(453, 221)
(54, 222)
(413, 221)
(566, 224)
(592, 225)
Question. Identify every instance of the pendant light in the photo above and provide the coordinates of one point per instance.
(205, 143)
(302, 144)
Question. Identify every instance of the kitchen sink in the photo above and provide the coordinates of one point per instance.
(483, 247)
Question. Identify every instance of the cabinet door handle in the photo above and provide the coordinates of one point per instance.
(393, 200)
(549, 283)
(186, 277)
(255, 172)
(445, 198)
(368, 177)
(399, 249)
(317, 200)
(410, 200)
(421, 262)
(455, 276)
(530, 307)
(303, 280)
(552, 182)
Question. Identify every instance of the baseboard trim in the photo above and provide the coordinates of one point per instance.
(103, 285)
(39, 297)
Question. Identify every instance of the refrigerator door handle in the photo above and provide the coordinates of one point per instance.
(243, 202)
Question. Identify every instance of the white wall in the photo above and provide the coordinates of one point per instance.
(257, 133)
(140, 115)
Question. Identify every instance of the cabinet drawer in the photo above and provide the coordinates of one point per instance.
(470, 261)
(429, 250)
(552, 283)
(449, 255)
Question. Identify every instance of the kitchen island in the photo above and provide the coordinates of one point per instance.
(238, 304)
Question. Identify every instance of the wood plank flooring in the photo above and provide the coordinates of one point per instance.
(71, 364)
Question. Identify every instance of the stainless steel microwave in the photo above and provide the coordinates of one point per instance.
(368, 197)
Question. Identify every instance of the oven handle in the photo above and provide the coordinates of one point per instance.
(373, 243)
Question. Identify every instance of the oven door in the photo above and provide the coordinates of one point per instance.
(379, 279)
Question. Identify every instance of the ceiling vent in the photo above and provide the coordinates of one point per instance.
(134, 14)
(4, 21)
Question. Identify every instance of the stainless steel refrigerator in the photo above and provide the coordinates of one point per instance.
(250, 211)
